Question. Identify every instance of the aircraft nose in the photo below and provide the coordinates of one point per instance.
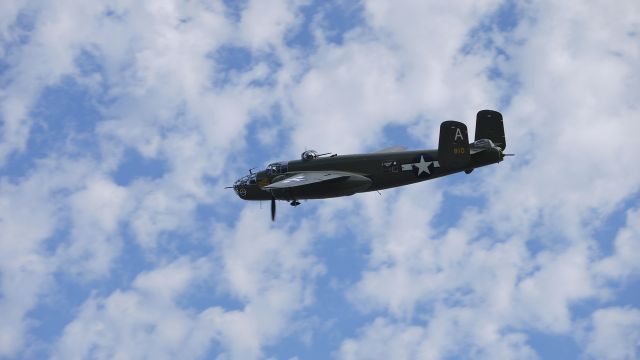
(240, 190)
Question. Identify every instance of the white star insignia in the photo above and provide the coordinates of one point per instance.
(293, 179)
(423, 166)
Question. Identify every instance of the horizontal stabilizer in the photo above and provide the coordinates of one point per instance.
(453, 147)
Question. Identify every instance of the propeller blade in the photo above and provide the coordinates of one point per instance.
(273, 208)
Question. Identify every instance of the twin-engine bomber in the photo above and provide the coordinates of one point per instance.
(320, 176)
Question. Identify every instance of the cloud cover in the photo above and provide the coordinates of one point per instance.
(117, 239)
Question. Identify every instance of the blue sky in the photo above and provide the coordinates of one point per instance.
(122, 122)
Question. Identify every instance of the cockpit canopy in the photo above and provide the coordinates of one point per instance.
(278, 168)
(309, 155)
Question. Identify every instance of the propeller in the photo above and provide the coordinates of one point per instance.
(273, 208)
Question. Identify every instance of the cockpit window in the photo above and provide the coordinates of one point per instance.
(247, 179)
(278, 168)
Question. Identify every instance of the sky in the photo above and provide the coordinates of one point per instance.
(122, 121)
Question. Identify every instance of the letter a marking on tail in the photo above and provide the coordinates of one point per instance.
(458, 135)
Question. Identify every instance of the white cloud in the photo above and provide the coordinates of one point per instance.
(24, 277)
(337, 109)
(571, 111)
(382, 340)
(268, 271)
(448, 334)
(101, 203)
(144, 321)
(405, 68)
(9, 11)
(38, 63)
(31, 211)
(265, 23)
(622, 262)
(155, 63)
(96, 213)
(272, 271)
(401, 253)
(542, 300)
(471, 284)
(612, 333)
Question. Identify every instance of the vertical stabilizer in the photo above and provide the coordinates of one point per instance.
(453, 147)
(489, 126)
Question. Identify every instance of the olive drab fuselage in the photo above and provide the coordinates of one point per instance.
(318, 176)
(384, 170)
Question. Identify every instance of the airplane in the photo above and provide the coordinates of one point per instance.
(320, 176)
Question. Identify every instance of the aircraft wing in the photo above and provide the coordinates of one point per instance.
(308, 177)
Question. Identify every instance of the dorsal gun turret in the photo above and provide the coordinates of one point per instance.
(309, 155)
